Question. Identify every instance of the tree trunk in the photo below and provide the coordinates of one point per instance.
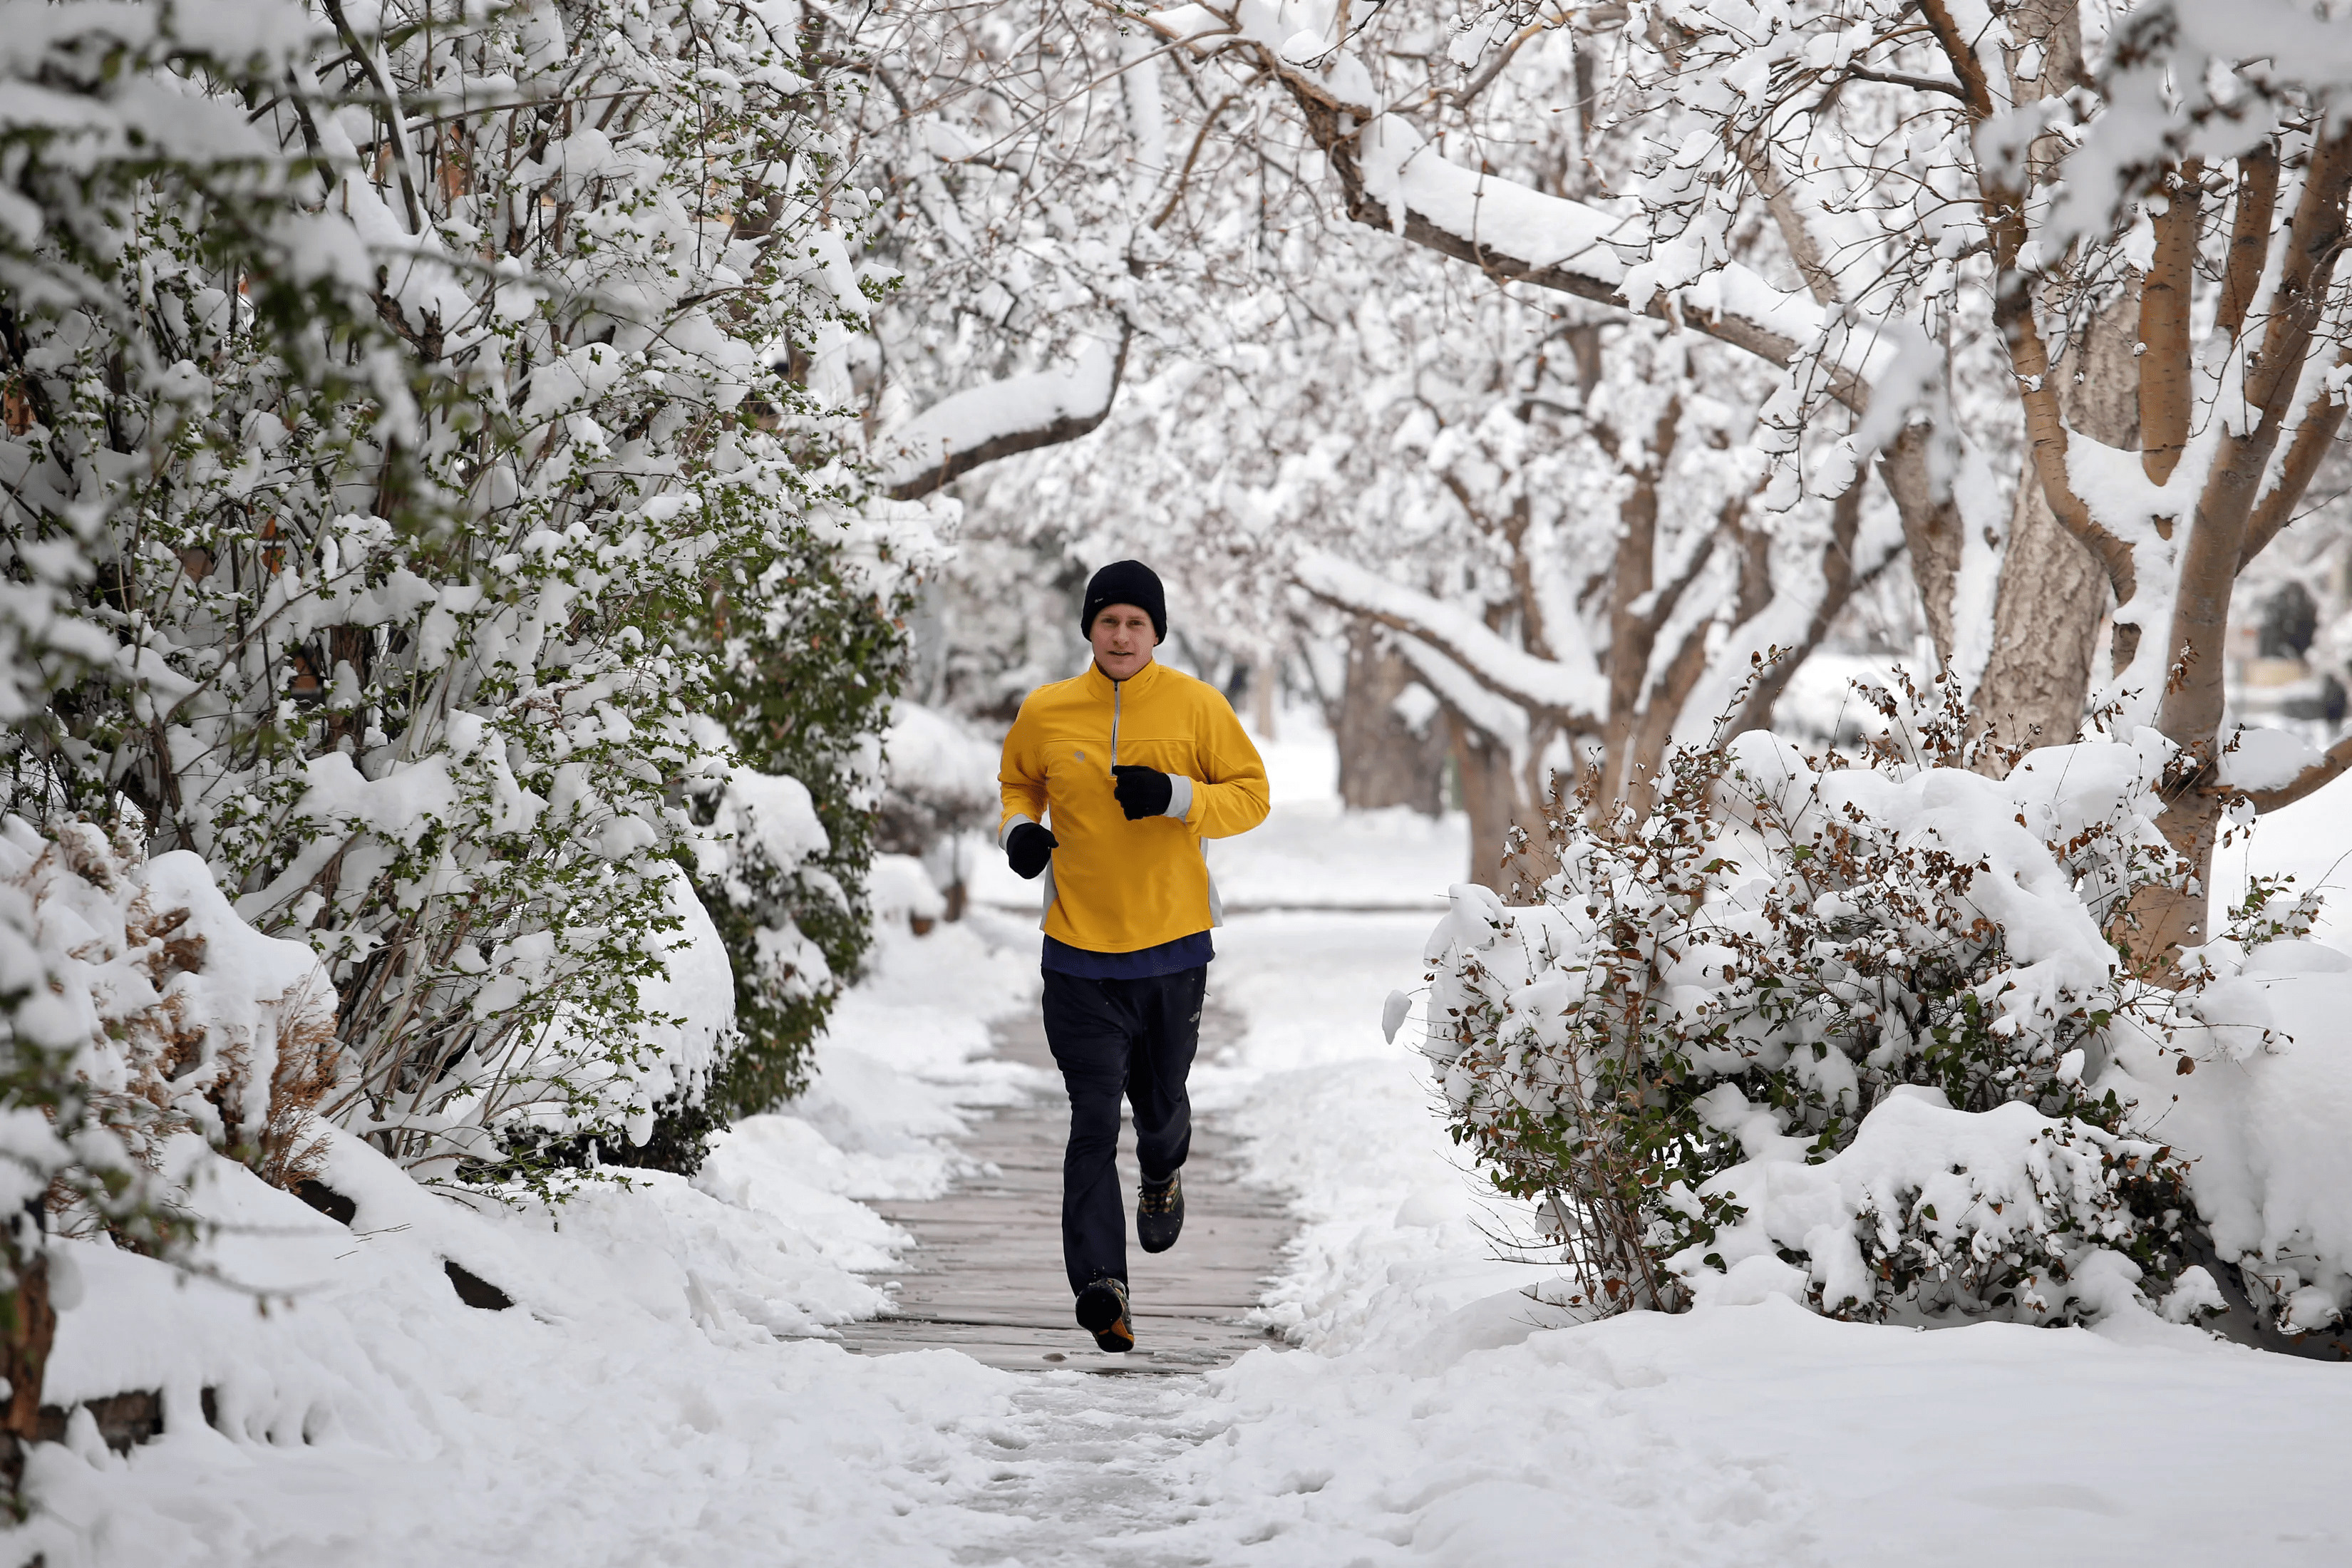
(2161, 920)
(1490, 796)
(2053, 591)
(2046, 629)
(1383, 762)
(1931, 533)
(28, 1326)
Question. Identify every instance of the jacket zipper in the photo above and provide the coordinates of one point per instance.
(1117, 689)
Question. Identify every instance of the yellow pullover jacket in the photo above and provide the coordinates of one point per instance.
(1116, 886)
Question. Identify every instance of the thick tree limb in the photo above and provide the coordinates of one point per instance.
(1653, 727)
(1805, 247)
(1543, 686)
(1001, 419)
(1975, 91)
(1633, 634)
(1632, 629)
(2313, 241)
(1734, 305)
(1931, 523)
(1931, 532)
(1741, 331)
(2047, 436)
(1841, 578)
(2250, 236)
(2163, 367)
(2330, 767)
(2314, 434)
(2191, 712)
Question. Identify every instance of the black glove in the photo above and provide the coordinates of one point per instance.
(1028, 848)
(1142, 791)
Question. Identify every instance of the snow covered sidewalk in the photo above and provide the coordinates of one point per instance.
(985, 1275)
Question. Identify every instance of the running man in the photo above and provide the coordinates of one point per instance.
(1111, 780)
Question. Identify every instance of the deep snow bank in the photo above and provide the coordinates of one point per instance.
(1744, 1435)
(650, 1386)
(1445, 1415)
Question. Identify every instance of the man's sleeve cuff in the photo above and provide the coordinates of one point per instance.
(1005, 831)
(1180, 797)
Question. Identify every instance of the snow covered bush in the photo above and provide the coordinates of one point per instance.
(135, 1009)
(762, 888)
(942, 778)
(1834, 1031)
(53, 1144)
(400, 394)
(185, 1017)
(806, 697)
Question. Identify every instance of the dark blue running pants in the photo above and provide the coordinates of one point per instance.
(1111, 1038)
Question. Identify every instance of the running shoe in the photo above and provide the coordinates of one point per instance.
(1102, 1312)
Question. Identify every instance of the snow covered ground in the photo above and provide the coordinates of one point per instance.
(2310, 841)
(652, 1397)
(1443, 1416)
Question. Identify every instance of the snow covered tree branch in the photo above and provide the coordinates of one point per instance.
(1970, 199)
(1554, 690)
(1391, 178)
(1004, 418)
(1636, 598)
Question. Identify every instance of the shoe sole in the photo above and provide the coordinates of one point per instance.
(1115, 1335)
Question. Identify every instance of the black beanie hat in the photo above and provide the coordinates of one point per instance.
(1125, 582)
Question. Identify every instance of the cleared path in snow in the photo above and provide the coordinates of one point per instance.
(985, 1274)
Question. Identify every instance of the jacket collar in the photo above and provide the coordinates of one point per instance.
(1103, 686)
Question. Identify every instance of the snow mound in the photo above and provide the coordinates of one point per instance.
(645, 1388)
(661, 1374)
(2263, 1112)
(1441, 1411)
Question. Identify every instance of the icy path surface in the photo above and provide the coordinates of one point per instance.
(985, 1276)
(1092, 1469)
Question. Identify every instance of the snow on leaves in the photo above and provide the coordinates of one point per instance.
(416, 420)
(182, 1016)
(1845, 1034)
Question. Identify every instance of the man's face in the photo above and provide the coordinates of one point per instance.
(1123, 640)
